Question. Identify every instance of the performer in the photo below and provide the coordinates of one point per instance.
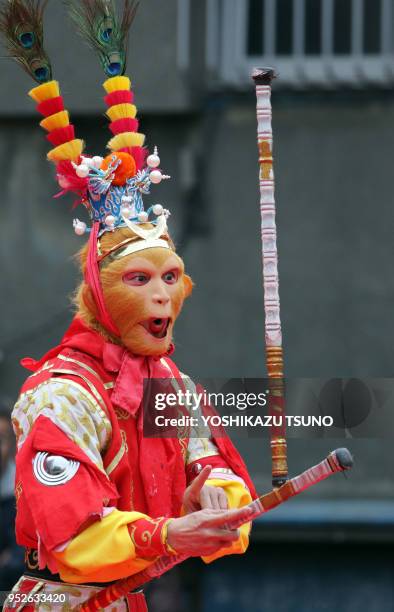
(96, 500)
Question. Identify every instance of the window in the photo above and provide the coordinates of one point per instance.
(309, 41)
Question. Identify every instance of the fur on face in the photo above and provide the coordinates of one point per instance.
(131, 307)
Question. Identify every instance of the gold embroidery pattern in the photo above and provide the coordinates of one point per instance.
(124, 440)
(18, 431)
(31, 558)
(71, 408)
(122, 414)
(18, 490)
(100, 416)
(91, 386)
(183, 444)
(145, 537)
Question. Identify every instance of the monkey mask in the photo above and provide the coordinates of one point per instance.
(143, 290)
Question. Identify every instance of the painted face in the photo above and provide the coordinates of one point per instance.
(144, 293)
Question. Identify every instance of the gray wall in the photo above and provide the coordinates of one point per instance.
(152, 64)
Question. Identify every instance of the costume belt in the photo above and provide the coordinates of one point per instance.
(32, 571)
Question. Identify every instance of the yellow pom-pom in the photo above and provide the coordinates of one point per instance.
(58, 120)
(122, 111)
(69, 150)
(118, 83)
(127, 139)
(45, 91)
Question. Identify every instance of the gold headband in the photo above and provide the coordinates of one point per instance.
(145, 239)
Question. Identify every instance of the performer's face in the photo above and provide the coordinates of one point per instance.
(144, 293)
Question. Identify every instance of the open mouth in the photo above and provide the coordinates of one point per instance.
(156, 327)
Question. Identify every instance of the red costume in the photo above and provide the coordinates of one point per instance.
(141, 476)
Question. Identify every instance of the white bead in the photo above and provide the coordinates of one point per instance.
(153, 161)
(156, 177)
(126, 211)
(79, 227)
(97, 161)
(143, 217)
(87, 161)
(157, 209)
(126, 199)
(82, 170)
(109, 220)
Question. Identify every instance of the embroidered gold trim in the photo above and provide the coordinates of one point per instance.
(84, 392)
(87, 381)
(122, 414)
(115, 461)
(183, 443)
(89, 399)
(164, 536)
(44, 367)
(31, 558)
(18, 490)
(31, 391)
(82, 365)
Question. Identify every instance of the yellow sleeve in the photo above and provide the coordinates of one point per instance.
(111, 548)
(237, 496)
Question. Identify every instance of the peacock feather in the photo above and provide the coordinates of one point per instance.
(21, 25)
(99, 24)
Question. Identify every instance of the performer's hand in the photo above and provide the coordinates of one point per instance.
(199, 496)
(205, 532)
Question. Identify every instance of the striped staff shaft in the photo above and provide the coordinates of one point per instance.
(337, 461)
(273, 332)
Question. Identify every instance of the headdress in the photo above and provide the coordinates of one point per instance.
(111, 188)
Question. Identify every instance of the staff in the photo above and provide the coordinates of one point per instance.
(273, 332)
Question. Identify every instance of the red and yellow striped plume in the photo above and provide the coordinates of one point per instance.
(57, 123)
(122, 115)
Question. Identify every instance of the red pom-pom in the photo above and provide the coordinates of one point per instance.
(139, 153)
(123, 125)
(125, 170)
(119, 97)
(51, 106)
(61, 135)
